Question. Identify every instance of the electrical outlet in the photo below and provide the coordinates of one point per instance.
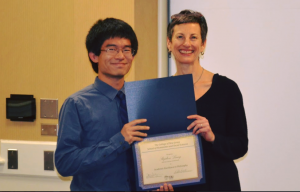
(48, 161)
(49, 129)
(12, 156)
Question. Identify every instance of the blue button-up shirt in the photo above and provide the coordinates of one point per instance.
(90, 146)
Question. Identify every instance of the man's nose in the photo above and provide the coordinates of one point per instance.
(120, 54)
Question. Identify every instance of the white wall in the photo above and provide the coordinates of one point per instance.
(256, 43)
(30, 175)
(162, 22)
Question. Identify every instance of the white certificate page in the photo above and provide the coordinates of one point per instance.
(168, 160)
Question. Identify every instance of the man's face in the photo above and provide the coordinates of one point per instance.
(112, 64)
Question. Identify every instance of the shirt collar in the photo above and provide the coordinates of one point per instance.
(106, 89)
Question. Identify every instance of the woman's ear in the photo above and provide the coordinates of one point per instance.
(203, 46)
(169, 43)
(93, 57)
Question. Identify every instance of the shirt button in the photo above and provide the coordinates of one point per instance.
(121, 142)
(124, 147)
(104, 155)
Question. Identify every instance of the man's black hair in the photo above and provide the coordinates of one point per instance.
(106, 29)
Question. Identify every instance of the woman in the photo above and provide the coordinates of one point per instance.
(220, 118)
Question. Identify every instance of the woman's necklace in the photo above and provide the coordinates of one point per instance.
(199, 77)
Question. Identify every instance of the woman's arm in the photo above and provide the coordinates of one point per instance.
(233, 143)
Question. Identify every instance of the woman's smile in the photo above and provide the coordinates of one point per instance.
(186, 51)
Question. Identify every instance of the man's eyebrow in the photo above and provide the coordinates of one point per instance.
(111, 45)
(114, 45)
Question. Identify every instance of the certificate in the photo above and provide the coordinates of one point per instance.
(165, 156)
(173, 158)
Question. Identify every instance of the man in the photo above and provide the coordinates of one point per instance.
(94, 138)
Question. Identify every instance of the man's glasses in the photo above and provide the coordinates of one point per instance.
(127, 51)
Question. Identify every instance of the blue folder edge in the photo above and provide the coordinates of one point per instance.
(164, 102)
(138, 179)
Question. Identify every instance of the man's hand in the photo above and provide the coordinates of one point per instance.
(131, 131)
(165, 187)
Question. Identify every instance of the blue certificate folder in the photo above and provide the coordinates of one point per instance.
(141, 186)
(165, 103)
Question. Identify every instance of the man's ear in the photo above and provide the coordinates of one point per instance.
(93, 57)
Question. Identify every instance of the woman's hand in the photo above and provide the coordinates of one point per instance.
(165, 187)
(201, 126)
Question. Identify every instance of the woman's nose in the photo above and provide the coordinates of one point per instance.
(187, 42)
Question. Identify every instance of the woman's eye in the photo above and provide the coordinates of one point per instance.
(179, 37)
(193, 37)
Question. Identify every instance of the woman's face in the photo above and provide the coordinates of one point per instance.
(186, 44)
